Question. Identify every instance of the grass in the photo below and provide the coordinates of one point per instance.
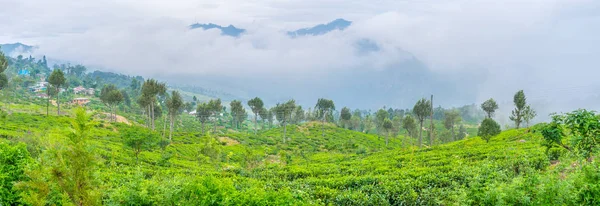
(343, 167)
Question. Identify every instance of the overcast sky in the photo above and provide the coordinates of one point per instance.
(550, 48)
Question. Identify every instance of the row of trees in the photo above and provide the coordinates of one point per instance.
(521, 113)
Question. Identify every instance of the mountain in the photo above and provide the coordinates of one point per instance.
(338, 24)
(8, 49)
(228, 31)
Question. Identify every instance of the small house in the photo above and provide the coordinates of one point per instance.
(80, 101)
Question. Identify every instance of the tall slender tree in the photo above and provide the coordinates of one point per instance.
(298, 115)
(264, 116)
(151, 89)
(3, 66)
(409, 124)
(215, 110)
(203, 113)
(345, 117)
(421, 110)
(520, 102)
(323, 108)
(489, 106)
(256, 105)
(57, 79)
(451, 119)
(237, 113)
(175, 106)
(387, 126)
(528, 114)
(283, 113)
(111, 96)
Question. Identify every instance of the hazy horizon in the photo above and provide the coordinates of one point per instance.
(483, 49)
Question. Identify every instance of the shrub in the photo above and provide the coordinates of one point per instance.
(488, 129)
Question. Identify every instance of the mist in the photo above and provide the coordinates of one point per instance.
(478, 49)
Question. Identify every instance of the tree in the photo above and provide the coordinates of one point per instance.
(68, 168)
(256, 105)
(488, 129)
(111, 96)
(264, 115)
(519, 111)
(528, 114)
(451, 118)
(581, 125)
(189, 106)
(409, 124)
(215, 111)
(175, 106)
(238, 113)
(462, 132)
(380, 118)
(271, 116)
(144, 102)
(57, 79)
(3, 66)
(345, 116)
(324, 107)
(387, 126)
(489, 106)
(139, 139)
(298, 115)
(150, 90)
(421, 110)
(203, 113)
(283, 113)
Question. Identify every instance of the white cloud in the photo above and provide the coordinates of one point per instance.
(531, 44)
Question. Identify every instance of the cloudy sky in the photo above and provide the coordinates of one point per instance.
(550, 48)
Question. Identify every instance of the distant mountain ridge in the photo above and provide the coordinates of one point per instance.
(228, 31)
(8, 49)
(338, 24)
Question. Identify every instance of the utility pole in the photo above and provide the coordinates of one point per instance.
(431, 119)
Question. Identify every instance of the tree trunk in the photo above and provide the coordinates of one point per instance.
(284, 130)
(148, 117)
(453, 134)
(421, 133)
(171, 131)
(47, 102)
(57, 102)
(323, 125)
(164, 126)
(152, 117)
(255, 125)
(431, 132)
(202, 125)
(386, 138)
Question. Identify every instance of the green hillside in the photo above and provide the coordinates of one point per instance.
(343, 168)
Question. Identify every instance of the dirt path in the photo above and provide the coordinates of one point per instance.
(119, 118)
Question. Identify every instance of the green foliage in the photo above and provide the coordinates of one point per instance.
(489, 106)
(409, 125)
(238, 113)
(63, 173)
(422, 110)
(488, 129)
(3, 66)
(451, 118)
(518, 113)
(13, 159)
(582, 128)
(139, 139)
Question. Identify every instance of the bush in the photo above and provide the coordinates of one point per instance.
(488, 129)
